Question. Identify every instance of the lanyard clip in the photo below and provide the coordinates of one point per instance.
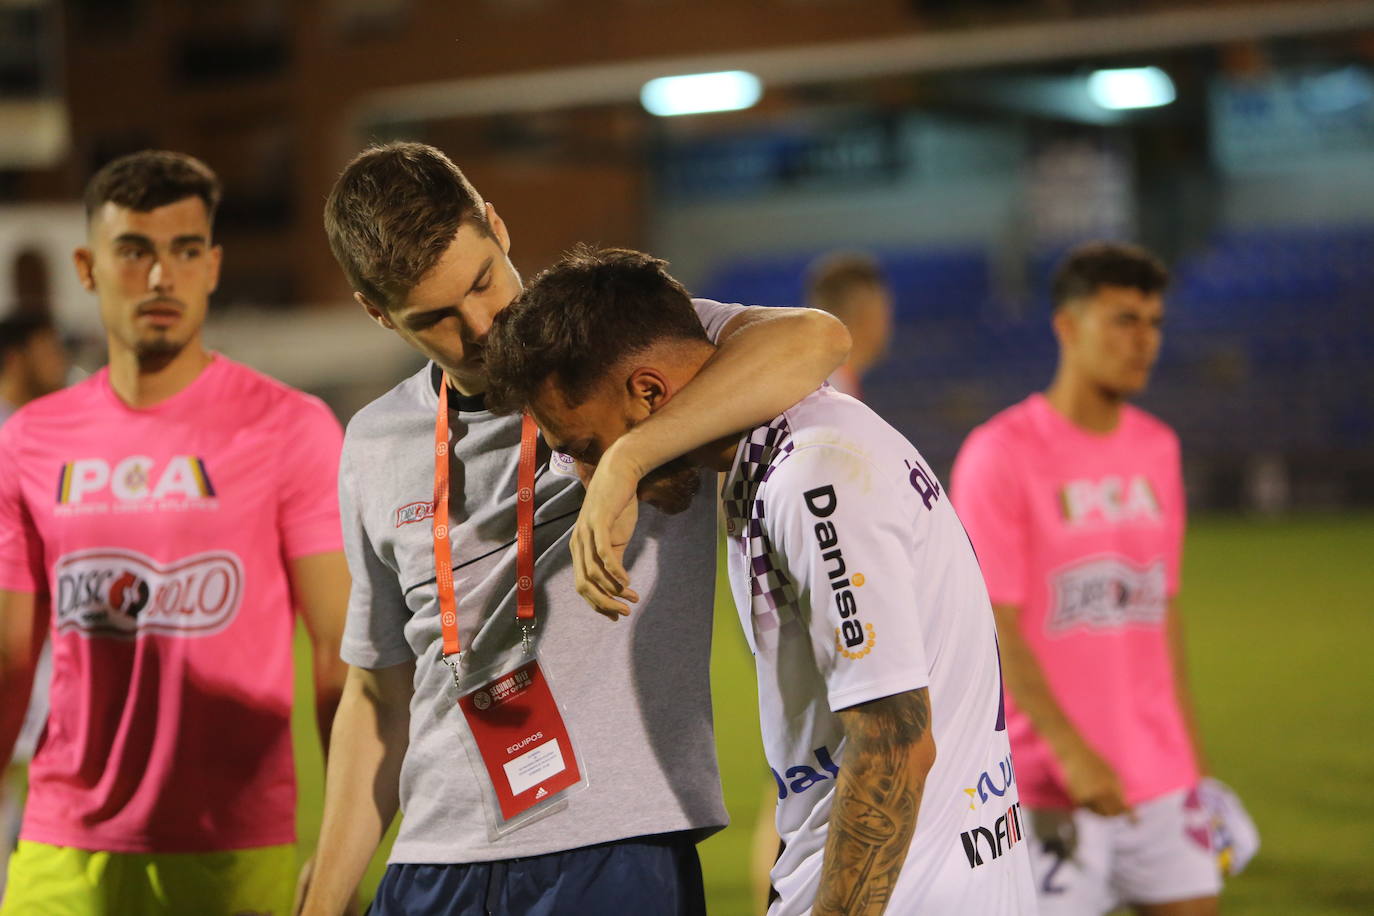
(453, 667)
(525, 630)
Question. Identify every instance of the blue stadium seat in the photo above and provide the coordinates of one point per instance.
(1269, 338)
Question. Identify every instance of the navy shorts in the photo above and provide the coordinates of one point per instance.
(655, 876)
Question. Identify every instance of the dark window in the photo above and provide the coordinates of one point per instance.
(204, 60)
(106, 18)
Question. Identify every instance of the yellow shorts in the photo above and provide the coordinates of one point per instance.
(61, 881)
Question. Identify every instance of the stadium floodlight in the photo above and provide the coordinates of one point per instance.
(729, 90)
(1133, 87)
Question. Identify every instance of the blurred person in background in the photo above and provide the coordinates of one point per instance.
(32, 363)
(1074, 501)
(851, 286)
(429, 260)
(171, 511)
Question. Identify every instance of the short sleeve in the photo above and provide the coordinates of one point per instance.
(715, 316)
(308, 504)
(848, 542)
(20, 548)
(987, 496)
(374, 631)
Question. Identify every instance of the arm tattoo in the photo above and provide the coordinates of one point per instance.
(874, 811)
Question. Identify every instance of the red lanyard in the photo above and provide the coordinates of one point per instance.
(524, 540)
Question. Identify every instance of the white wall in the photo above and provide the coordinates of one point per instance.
(1316, 190)
(696, 238)
(56, 230)
(964, 185)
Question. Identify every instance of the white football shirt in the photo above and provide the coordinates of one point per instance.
(855, 581)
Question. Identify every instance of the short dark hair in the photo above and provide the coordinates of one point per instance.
(17, 329)
(150, 179)
(392, 214)
(1095, 264)
(831, 279)
(581, 317)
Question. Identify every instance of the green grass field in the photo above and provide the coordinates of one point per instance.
(1281, 630)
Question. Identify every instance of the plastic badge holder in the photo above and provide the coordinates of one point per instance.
(517, 739)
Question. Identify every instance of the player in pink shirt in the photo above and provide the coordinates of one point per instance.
(170, 511)
(1074, 501)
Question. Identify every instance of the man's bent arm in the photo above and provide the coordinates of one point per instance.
(888, 752)
(767, 360)
(320, 582)
(1091, 780)
(21, 640)
(362, 783)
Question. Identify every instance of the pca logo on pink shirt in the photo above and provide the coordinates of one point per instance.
(136, 483)
(115, 592)
(1111, 499)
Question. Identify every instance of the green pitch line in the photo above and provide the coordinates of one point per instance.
(1280, 618)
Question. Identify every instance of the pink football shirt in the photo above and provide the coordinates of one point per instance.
(1083, 532)
(160, 537)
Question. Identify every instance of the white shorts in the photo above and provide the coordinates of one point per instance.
(1086, 865)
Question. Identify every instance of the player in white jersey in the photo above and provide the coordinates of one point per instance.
(879, 682)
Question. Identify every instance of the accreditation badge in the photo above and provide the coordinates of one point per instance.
(516, 738)
(520, 743)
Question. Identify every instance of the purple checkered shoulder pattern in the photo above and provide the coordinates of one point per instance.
(765, 448)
